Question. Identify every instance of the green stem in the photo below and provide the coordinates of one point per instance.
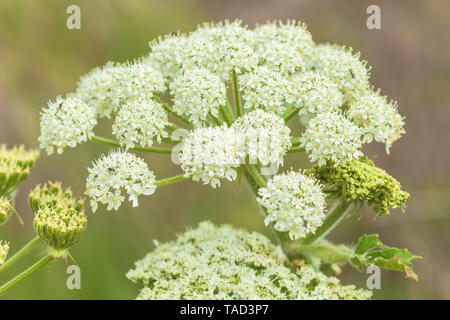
(237, 98)
(25, 249)
(170, 180)
(295, 141)
(226, 112)
(25, 274)
(254, 172)
(326, 251)
(333, 218)
(170, 110)
(290, 114)
(138, 148)
(296, 149)
(216, 120)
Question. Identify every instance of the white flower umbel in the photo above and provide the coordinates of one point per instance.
(343, 67)
(222, 48)
(210, 154)
(294, 202)
(332, 137)
(284, 47)
(266, 136)
(197, 93)
(211, 262)
(314, 93)
(262, 88)
(65, 123)
(139, 122)
(108, 88)
(378, 118)
(168, 54)
(117, 174)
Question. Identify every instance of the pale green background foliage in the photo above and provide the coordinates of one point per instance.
(41, 58)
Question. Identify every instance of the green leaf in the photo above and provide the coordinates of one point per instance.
(371, 251)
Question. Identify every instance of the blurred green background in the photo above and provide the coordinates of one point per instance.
(40, 59)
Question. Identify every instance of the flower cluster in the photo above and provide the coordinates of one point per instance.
(66, 123)
(116, 173)
(5, 206)
(330, 137)
(108, 87)
(266, 89)
(264, 135)
(343, 67)
(225, 263)
(378, 118)
(294, 202)
(210, 154)
(139, 122)
(4, 248)
(284, 47)
(15, 165)
(315, 93)
(361, 180)
(59, 217)
(198, 93)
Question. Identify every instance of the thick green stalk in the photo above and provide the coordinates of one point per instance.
(290, 114)
(237, 98)
(333, 218)
(254, 172)
(25, 274)
(295, 141)
(25, 249)
(296, 149)
(326, 251)
(170, 180)
(138, 148)
(227, 113)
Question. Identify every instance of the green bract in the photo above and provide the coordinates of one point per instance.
(361, 180)
(59, 217)
(15, 165)
(226, 263)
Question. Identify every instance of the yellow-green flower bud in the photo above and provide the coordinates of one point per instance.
(15, 165)
(4, 248)
(5, 206)
(59, 217)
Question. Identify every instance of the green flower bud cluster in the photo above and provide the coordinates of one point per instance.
(15, 165)
(59, 217)
(4, 248)
(361, 180)
(5, 206)
(226, 263)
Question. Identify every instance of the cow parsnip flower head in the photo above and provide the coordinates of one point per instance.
(283, 47)
(59, 217)
(116, 174)
(210, 154)
(107, 88)
(330, 137)
(379, 118)
(294, 203)
(362, 181)
(5, 206)
(343, 67)
(265, 136)
(226, 263)
(139, 122)
(168, 54)
(66, 122)
(15, 165)
(265, 89)
(315, 93)
(4, 248)
(197, 92)
(222, 48)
